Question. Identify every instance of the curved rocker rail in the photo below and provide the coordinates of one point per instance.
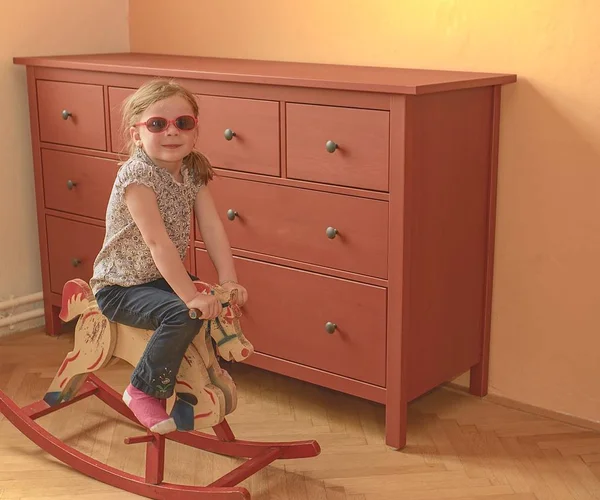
(259, 454)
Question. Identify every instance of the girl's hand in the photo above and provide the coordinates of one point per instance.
(208, 305)
(242, 293)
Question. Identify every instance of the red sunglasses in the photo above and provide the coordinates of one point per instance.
(158, 124)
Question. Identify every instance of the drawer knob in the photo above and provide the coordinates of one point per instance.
(331, 146)
(331, 232)
(65, 114)
(71, 184)
(330, 327)
(229, 134)
(75, 262)
(231, 214)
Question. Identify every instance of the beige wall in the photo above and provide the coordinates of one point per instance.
(545, 331)
(38, 27)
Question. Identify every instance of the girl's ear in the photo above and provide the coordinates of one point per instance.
(135, 136)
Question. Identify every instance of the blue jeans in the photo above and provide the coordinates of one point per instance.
(153, 306)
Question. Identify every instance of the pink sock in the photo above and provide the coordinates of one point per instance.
(148, 410)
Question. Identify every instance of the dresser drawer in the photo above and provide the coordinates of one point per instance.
(72, 249)
(116, 97)
(288, 312)
(71, 114)
(344, 146)
(293, 223)
(255, 145)
(76, 183)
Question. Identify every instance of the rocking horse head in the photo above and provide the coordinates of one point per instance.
(226, 329)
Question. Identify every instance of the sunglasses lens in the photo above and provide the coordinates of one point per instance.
(156, 124)
(185, 122)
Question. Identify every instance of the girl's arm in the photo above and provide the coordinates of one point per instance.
(143, 207)
(214, 236)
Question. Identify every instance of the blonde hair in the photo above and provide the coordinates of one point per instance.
(150, 93)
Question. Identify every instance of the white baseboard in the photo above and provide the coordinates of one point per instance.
(22, 327)
(15, 306)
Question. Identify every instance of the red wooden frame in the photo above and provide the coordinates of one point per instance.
(259, 454)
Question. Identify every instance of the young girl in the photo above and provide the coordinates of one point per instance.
(139, 277)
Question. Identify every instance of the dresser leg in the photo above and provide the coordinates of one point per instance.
(395, 425)
(53, 322)
(478, 384)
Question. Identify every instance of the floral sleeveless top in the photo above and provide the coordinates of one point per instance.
(125, 259)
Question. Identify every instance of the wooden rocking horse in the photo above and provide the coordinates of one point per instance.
(204, 395)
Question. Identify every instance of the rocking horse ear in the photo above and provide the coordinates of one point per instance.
(233, 296)
(202, 287)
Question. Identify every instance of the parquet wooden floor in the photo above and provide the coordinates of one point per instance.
(459, 447)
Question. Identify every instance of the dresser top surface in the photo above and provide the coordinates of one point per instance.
(328, 76)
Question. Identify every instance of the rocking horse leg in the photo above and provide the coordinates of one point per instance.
(72, 384)
(94, 344)
(220, 378)
(199, 403)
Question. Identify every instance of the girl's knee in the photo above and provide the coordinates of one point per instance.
(180, 318)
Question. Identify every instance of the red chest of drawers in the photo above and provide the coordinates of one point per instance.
(360, 205)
